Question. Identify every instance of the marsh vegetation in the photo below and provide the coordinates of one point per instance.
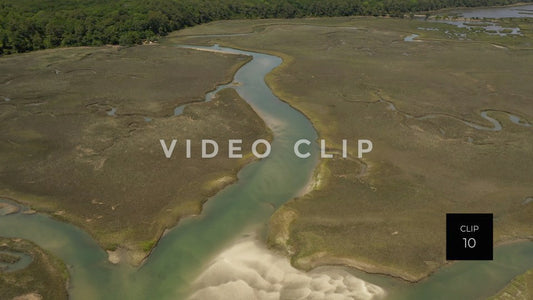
(520, 288)
(44, 277)
(61, 152)
(356, 77)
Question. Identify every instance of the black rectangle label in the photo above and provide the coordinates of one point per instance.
(469, 237)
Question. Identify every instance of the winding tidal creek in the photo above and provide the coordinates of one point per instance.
(263, 186)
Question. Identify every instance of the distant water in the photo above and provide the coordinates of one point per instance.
(522, 11)
(410, 38)
(112, 111)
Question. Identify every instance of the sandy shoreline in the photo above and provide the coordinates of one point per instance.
(248, 270)
(7, 209)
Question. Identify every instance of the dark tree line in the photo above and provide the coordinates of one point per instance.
(27, 25)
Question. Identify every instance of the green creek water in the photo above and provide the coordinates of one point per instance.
(180, 255)
(263, 186)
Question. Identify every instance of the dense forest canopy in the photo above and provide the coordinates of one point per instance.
(27, 25)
